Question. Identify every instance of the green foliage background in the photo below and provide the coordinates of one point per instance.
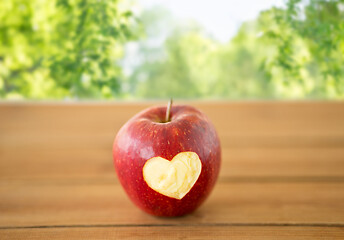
(61, 49)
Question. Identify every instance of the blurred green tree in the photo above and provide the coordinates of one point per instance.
(62, 48)
(74, 49)
(291, 52)
(309, 41)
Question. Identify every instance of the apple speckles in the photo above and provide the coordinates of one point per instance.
(146, 152)
(189, 130)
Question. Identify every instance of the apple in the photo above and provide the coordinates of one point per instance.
(167, 159)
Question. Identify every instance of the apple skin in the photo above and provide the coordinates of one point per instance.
(146, 135)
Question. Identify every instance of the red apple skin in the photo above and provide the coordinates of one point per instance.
(145, 136)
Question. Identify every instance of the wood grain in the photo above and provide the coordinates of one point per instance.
(282, 173)
(46, 204)
(38, 141)
(93, 163)
(258, 119)
(180, 232)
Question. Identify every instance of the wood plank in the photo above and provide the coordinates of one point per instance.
(283, 162)
(57, 179)
(65, 123)
(95, 163)
(180, 232)
(48, 204)
(285, 138)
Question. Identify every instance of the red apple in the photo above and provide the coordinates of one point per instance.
(167, 159)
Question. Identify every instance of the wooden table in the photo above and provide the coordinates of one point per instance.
(282, 173)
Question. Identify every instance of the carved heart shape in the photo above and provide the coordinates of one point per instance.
(173, 178)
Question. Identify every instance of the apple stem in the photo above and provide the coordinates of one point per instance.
(168, 110)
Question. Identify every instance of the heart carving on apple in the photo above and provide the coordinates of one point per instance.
(167, 159)
(173, 178)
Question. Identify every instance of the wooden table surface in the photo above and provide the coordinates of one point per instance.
(282, 173)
